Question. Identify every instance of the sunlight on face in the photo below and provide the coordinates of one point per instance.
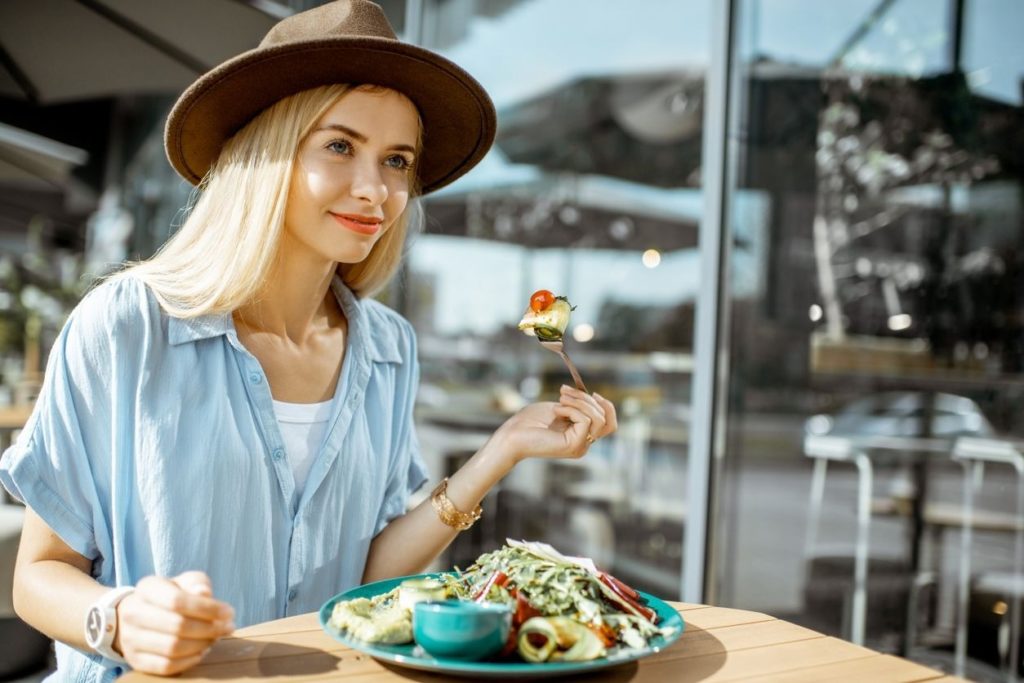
(353, 175)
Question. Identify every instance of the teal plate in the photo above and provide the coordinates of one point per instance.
(412, 656)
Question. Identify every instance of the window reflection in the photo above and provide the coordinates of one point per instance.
(591, 191)
(884, 152)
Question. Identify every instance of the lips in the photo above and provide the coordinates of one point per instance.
(364, 225)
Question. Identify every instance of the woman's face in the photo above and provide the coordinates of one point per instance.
(353, 174)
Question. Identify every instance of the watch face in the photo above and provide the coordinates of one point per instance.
(94, 626)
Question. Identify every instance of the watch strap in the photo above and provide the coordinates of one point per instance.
(101, 622)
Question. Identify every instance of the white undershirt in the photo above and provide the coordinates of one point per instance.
(302, 428)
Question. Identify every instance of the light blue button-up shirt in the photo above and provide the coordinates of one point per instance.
(154, 449)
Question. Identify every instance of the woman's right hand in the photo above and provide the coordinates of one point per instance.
(167, 625)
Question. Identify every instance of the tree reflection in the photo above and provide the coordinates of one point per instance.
(900, 249)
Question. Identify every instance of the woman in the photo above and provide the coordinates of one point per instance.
(225, 431)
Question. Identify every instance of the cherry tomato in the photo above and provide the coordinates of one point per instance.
(541, 300)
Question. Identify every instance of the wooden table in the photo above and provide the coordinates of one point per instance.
(719, 644)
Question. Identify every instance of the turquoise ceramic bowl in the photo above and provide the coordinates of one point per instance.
(458, 629)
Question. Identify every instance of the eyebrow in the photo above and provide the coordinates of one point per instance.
(360, 137)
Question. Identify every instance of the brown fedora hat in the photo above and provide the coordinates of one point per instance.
(346, 41)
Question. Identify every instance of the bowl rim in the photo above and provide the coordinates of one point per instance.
(460, 606)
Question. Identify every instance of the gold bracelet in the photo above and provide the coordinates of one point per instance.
(448, 513)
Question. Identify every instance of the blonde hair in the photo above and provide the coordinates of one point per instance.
(223, 254)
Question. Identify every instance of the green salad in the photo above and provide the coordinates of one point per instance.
(566, 609)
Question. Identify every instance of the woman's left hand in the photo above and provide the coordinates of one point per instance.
(558, 430)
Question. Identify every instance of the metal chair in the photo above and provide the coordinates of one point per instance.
(972, 454)
(841, 449)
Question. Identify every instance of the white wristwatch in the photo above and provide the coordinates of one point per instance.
(101, 622)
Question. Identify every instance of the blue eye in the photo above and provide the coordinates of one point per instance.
(398, 161)
(340, 146)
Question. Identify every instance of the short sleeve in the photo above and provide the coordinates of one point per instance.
(408, 472)
(407, 480)
(48, 467)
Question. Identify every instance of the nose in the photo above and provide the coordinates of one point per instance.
(368, 184)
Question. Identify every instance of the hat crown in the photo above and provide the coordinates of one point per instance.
(339, 19)
(345, 41)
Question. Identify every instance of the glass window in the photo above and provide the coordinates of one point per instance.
(875, 310)
(593, 192)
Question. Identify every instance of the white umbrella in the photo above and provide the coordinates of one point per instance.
(521, 204)
(63, 50)
(31, 161)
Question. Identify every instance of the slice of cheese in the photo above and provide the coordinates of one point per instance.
(549, 324)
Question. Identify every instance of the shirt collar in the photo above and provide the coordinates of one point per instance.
(181, 330)
(367, 328)
(381, 345)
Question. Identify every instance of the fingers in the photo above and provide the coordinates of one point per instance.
(611, 418)
(578, 430)
(167, 625)
(166, 645)
(196, 583)
(169, 595)
(599, 409)
(149, 617)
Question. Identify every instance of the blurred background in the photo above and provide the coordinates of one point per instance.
(793, 231)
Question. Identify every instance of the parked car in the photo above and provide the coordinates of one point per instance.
(903, 413)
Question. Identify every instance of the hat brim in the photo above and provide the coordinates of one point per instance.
(459, 121)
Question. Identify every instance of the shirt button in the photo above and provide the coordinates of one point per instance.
(292, 594)
(278, 453)
(255, 377)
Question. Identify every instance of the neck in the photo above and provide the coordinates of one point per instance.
(297, 300)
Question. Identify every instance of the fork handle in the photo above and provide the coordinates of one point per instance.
(574, 372)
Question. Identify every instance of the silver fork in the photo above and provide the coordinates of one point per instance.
(557, 347)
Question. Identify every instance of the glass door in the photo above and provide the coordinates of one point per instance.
(873, 315)
(592, 191)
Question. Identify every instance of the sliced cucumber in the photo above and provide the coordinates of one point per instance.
(543, 632)
(558, 639)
